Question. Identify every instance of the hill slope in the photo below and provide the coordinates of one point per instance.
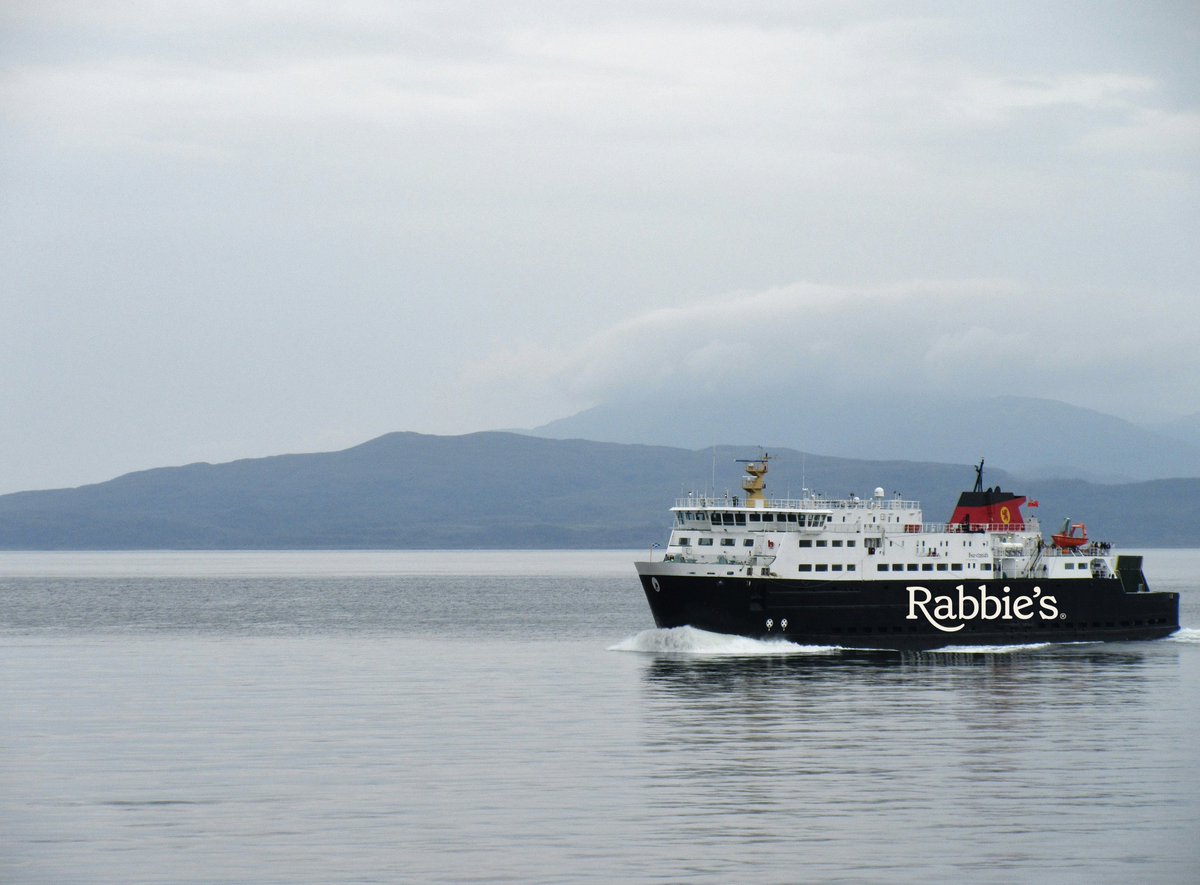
(504, 490)
(1031, 437)
(400, 490)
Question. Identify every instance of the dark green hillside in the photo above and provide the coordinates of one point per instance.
(400, 490)
(504, 490)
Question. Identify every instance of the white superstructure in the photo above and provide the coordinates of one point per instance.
(854, 539)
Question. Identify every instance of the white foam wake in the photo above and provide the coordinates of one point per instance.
(989, 649)
(690, 641)
(1185, 634)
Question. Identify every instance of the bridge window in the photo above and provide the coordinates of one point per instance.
(754, 517)
(727, 542)
(685, 542)
(706, 542)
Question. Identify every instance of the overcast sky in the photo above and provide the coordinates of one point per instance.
(234, 229)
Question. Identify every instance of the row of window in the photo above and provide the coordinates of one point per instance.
(749, 542)
(927, 566)
(826, 567)
(808, 520)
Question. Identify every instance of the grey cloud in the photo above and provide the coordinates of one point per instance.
(245, 227)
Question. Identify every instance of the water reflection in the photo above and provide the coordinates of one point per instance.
(852, 688)
(702, 675)
(859, 762)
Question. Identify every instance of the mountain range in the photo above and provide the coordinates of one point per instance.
(1033, 438)
(509, 490)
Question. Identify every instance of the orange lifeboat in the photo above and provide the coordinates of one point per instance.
(1067, 539)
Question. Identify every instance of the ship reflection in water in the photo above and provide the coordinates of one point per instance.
(856, 763)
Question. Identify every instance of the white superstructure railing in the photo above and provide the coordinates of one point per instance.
(727, 502)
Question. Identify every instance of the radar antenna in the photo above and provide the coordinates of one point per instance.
(752, 482)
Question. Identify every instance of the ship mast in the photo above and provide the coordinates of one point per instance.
(753, 482)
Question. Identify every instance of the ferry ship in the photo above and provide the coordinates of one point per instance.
(871, 573)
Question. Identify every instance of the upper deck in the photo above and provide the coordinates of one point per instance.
(859, 538)
(807, 503)
(811, 513)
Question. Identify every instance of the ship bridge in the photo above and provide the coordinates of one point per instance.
(811, 513)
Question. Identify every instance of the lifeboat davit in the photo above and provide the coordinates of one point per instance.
(1067, 539)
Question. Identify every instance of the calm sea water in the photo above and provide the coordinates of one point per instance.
(368, 717)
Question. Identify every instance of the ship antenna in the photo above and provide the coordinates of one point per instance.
(752, 482)
(979, 476)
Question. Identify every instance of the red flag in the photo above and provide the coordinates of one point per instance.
(1033, 503)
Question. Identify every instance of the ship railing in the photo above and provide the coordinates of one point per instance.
(1031, 530)
(737, 502)
(978, 528)
(753, 559)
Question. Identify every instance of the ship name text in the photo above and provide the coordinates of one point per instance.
(942, 611)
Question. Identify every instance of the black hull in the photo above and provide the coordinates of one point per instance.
(889, 614)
